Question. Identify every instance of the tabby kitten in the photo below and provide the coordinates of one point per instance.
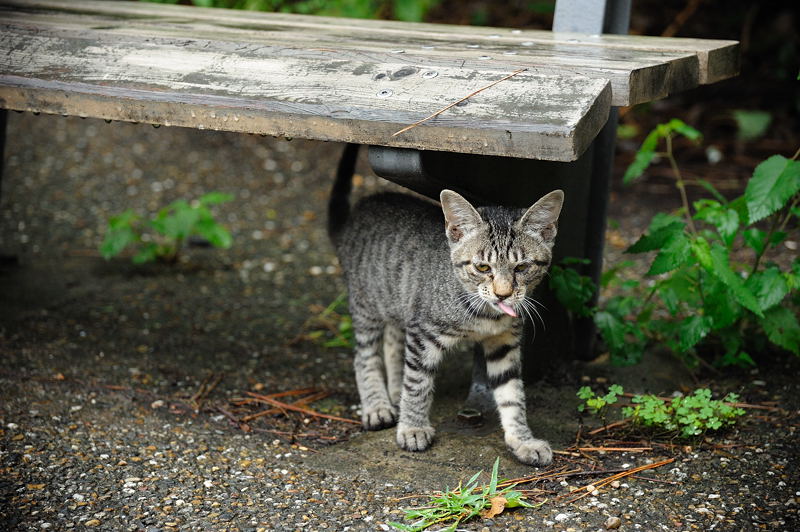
(423, 278)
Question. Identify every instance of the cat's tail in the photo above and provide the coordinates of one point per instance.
(339, 204)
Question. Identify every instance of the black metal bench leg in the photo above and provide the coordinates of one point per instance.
(5, 260)
(3, 123)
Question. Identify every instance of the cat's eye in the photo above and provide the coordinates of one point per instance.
(521, 267)
(483, 268)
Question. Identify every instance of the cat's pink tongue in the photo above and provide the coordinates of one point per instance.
(508, 310)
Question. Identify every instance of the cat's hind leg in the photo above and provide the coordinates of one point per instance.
(377, 412)
(393, 347)
(504, 374)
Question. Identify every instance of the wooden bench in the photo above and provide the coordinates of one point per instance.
(547, 119)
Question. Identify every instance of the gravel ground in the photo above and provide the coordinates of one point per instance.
(120, 383)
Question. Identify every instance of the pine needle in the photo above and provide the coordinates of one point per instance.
(443, 109)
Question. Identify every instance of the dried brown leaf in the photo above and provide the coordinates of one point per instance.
(498, 505)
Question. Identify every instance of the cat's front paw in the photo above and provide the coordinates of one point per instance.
(379, 418)
(414, 438)
(533, 452)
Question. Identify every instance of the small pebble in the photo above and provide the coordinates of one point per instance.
(613, 523)
(615, 484)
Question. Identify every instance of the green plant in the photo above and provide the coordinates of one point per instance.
(459, 505)
(687, 416)
(337, 325)
(711, 288)
(407, 10)
(162, 237)
(751, 124)
(598, 405)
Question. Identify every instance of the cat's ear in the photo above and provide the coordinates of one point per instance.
(542, 218)
(460, 216)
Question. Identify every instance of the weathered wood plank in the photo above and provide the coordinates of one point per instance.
(718, 58)
(300, 93)
(337, 79)
(638, 74)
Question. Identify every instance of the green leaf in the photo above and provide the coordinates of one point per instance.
(643, 158)
(662, 229)
(627, 131)
(712, 190)
(640, 163)
(625, 341)
(739, 205)
(756, 239)
(702, 252)
(679, 126)
(721, 269)
(724, 219)
(692, 330)
(769, 286)
(148, 253)
(178, 225)
(611, 275)
(773, 183)
(412, 10)
(611, 328)
(793, 277)
(672, 255)
(214, 198)
(719, 305)
(737, 358)
(125, 219)
(493, 480)
(214, 233)
(752, 124)
(782, 328)
(116, 240)
(572, 290)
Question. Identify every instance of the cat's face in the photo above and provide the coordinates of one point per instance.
(500, 254)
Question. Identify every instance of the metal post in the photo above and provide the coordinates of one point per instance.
(3, 123)
(5, 260)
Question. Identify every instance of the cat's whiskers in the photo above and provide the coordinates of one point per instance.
(537, 303)
(527, 312)
(470, 301)
(529, 304)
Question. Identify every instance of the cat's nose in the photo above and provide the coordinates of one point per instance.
(502, 288)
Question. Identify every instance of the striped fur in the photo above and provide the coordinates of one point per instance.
(415, 290)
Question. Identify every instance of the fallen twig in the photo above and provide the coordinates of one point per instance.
(614, 449)
(300, 402)
(612, 478)
(206, 387)
(269, 400)
(445, 108)
(243, 426)
(608, 427)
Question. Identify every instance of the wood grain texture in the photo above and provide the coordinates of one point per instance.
(336, 79)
